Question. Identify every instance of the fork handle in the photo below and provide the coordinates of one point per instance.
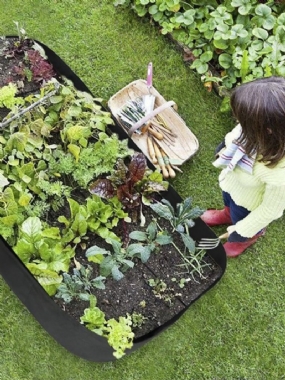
(224, 236)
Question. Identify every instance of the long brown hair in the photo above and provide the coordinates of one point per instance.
(259, 106)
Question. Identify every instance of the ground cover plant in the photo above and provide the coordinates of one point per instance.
(237, 329)
(84, 212)
(228, 42)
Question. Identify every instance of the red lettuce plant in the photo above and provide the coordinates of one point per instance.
(40, 68)
(122, 182)
(130, 184)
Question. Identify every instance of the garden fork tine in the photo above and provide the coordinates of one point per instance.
(210, 243)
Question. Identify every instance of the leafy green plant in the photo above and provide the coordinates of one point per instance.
(181, 219)
(95, 216)
(181, 282)
(43, 251)
(11, 211)
(54, 193)
(129, 183)
(138, 319)
(151, 239)
(26, 151)
(8, 98)
(239, 39)
(119, 259)
(79, 284)
(94, 318)
(161, 290)
(118, 333)
(113, 262)
(83, 163)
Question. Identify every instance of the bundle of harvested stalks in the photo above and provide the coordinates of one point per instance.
(156, 129)
(159, 157)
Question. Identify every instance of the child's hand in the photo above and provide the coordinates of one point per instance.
(231, 229)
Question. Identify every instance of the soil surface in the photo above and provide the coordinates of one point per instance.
(10, 60)
(156, 304)
(174, 288)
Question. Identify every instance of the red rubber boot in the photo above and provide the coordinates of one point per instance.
(234, 249)
(217, 217)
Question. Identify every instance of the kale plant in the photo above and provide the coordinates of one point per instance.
(113, 262)
(181, 219)
(151, 239)
(79, 284)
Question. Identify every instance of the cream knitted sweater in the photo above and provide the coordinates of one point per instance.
(262, 192)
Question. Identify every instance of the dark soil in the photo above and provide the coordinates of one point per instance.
(132, 294)
(10, 60)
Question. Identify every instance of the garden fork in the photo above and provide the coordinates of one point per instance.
(210, 243)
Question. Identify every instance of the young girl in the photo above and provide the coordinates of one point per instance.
(253, 162)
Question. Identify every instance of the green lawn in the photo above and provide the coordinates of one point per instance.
(236, 330)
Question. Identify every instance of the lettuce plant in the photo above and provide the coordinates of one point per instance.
(129, 183)
(118, 333)
(43, 251)
(8, 98)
